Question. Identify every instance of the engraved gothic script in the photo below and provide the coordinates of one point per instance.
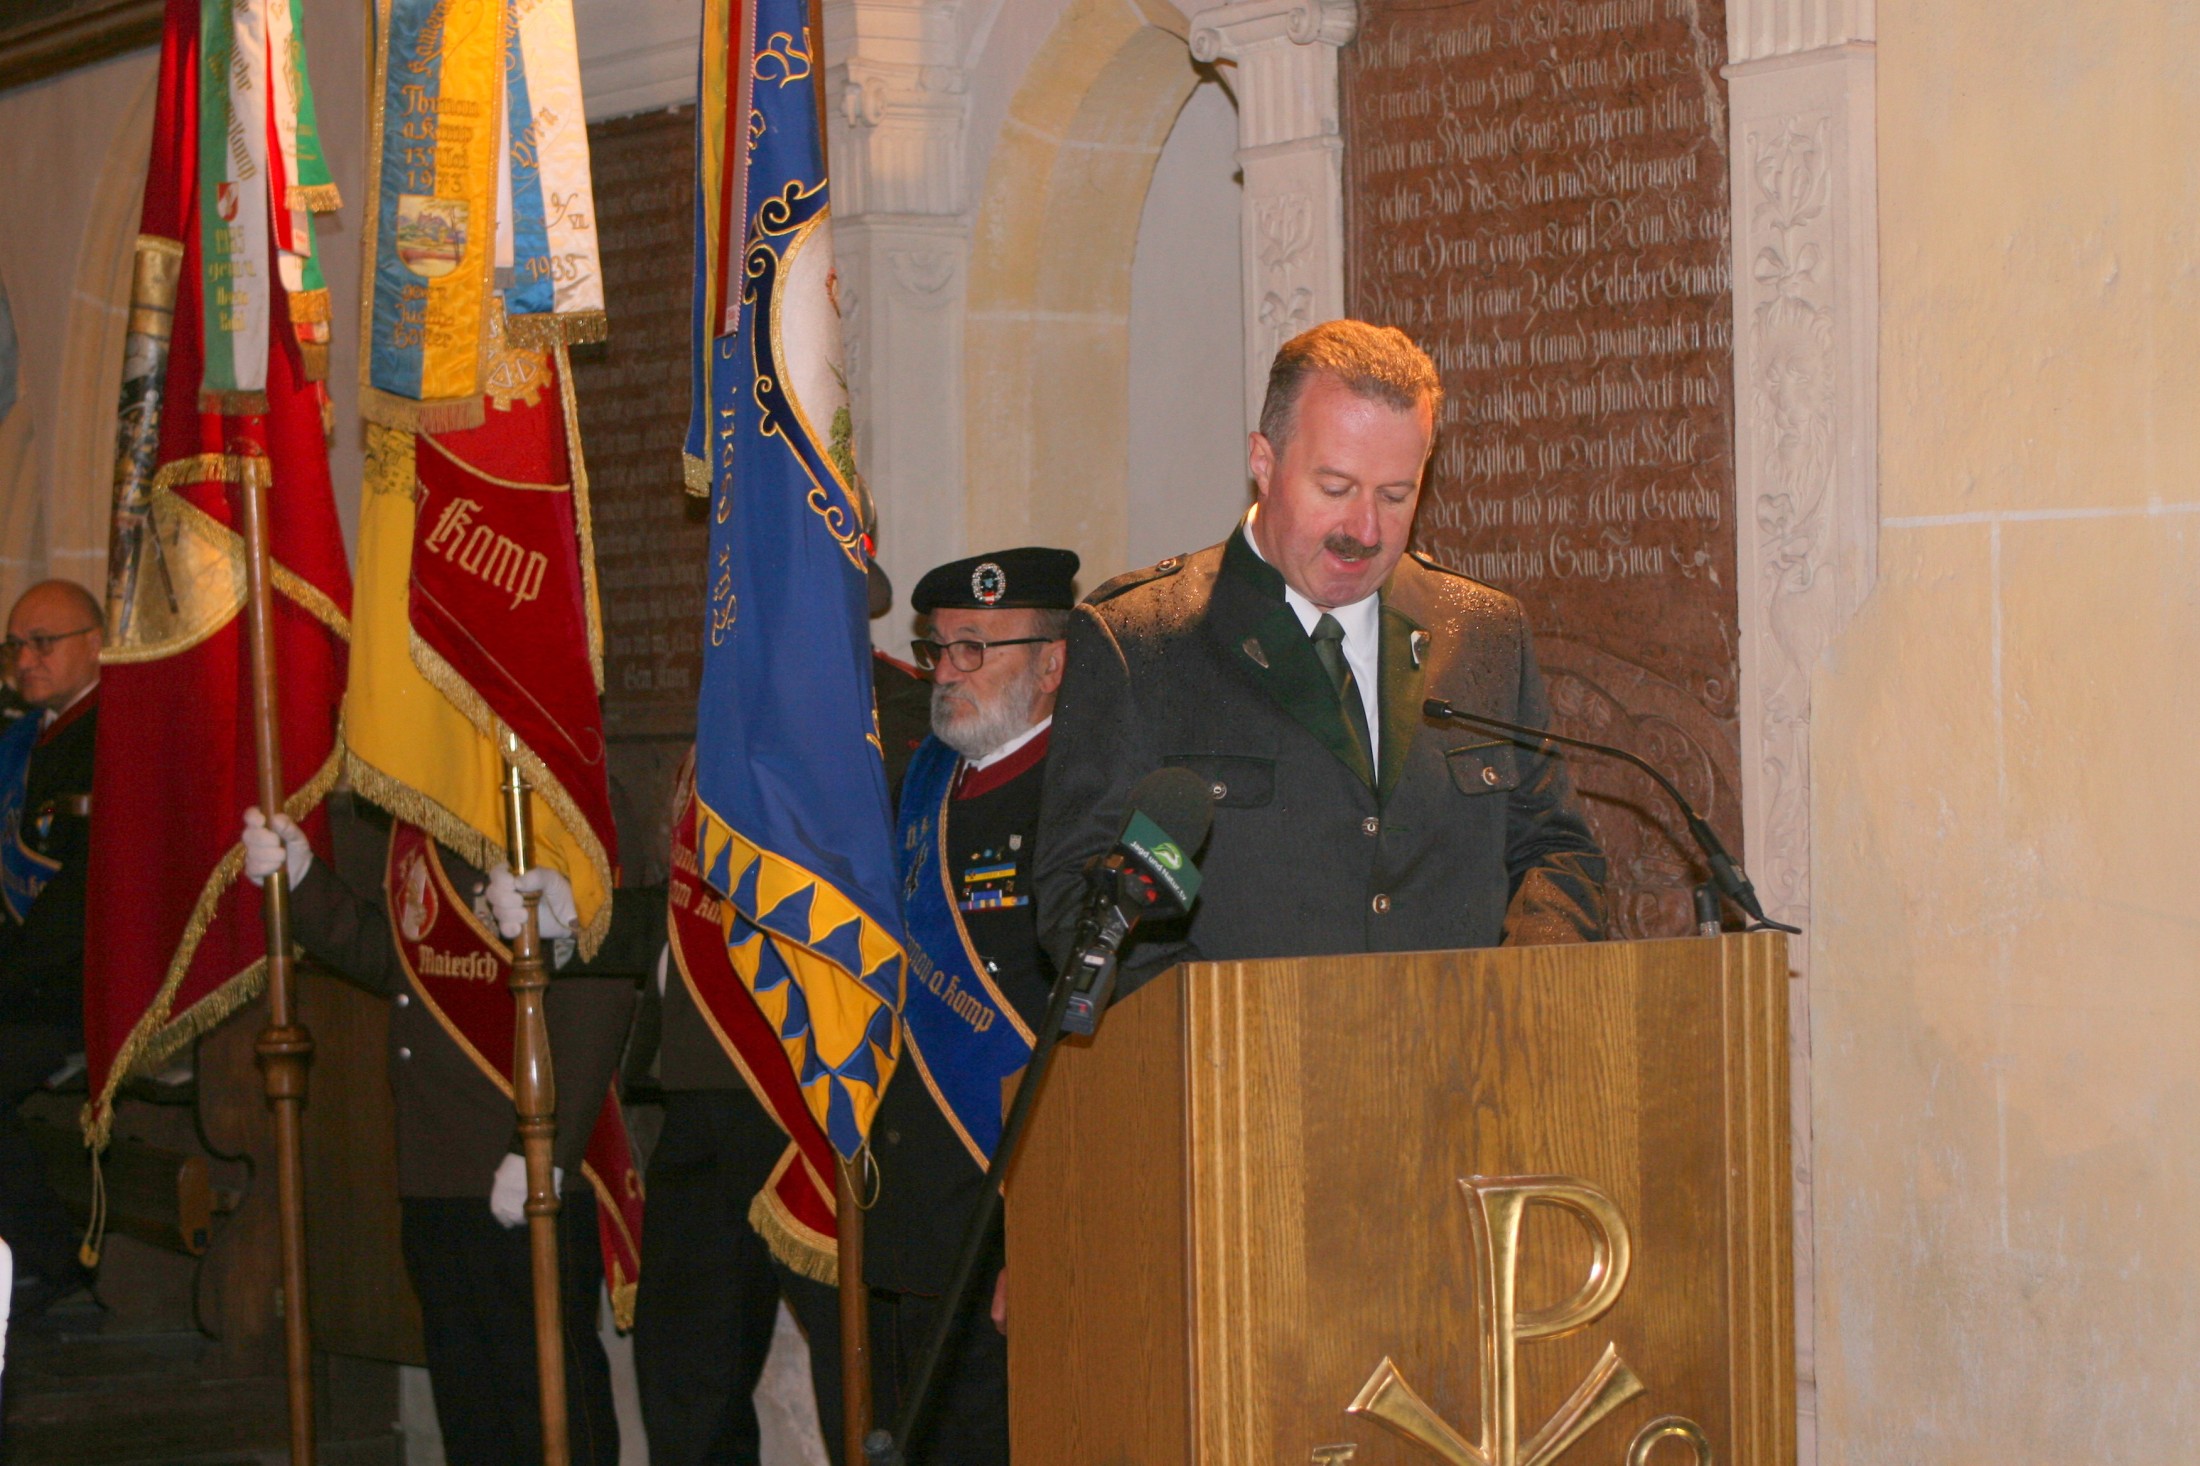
(1538, 194)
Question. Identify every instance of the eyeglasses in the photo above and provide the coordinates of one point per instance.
(968, 656)
(41, 642)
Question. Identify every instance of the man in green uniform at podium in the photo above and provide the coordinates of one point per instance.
(1287, 667)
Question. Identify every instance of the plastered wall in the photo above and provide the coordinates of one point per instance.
(2006, 965)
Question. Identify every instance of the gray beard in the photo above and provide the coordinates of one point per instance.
(975, 730)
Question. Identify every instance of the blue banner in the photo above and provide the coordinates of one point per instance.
(794, 826)
(965, 1036)
(23, 871)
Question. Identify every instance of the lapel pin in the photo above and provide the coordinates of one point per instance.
(1418, 643)
(1252, 649)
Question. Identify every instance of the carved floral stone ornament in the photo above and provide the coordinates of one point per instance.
(1496, 1206)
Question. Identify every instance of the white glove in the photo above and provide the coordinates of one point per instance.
(267, 850)
(508, 1193)
(554, 914)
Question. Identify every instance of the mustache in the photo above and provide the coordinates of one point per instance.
(1344, 547)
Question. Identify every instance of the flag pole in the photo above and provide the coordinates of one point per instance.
(855, 1316)
(535, 1099)
(284, 1047)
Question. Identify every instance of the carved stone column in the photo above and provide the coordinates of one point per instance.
(1292, 154)
(901, 239)
(1806, 335)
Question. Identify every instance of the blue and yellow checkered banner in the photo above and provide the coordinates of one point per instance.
(794, 826)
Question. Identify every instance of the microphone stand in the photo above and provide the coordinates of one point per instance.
(1726, 872)
(885, 1448)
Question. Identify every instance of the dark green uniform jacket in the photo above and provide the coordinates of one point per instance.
(1458, 841)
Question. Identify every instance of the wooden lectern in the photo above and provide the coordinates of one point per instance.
(1507, 1207)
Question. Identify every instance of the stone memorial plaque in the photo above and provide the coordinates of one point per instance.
(651, 536)
(1537, 193)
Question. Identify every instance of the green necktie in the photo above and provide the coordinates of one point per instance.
(1329, 646)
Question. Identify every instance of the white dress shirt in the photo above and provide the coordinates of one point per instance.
(1363, 641)
(1019, 741)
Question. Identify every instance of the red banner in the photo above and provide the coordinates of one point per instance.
(174, 940)
(500, 590)
(794, 1211)
(463, 975)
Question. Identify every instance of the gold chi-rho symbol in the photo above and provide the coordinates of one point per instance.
(1496, 1207)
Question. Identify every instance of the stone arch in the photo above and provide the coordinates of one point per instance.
(1047, 348)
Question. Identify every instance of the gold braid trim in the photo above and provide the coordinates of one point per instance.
(447, 415)
(309, 305)
(475, 708)
(582, 517)
(317, 198)
(695, 473)
(311, 599)
(214, 468)
(156, 1035)
(415, 808)
(225, 468)
(543, 331)
(608, 1214)
(160, 244)
(313, 357)
(234, 404)
(806, 1252)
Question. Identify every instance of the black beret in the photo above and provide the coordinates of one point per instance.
(1030, 579)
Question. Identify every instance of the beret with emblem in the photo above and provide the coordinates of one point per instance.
(1033, 578)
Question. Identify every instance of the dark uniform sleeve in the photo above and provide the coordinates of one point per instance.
(1099, 749)
(1556, 867)
(588, 1019)
(590, 1010)
(636, 936)
(345, 932)
(42, 961)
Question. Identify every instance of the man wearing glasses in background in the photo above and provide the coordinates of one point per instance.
(51, 657)
(993, 646)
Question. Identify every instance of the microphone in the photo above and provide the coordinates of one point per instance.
(1149, 873)
(1726, 871)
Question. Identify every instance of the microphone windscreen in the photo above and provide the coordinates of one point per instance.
(1180, 802)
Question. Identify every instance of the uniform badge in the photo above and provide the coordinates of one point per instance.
(989, 583)
(417, 904)
(1252, 648)
(1418, 643)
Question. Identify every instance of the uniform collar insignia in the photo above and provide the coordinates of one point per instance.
(1252, 649)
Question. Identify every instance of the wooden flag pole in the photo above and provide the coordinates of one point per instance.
(855, 1317)
(535, 1099)
(284, 1047)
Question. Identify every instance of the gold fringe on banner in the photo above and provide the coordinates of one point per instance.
(450, 415)
(695, 473)
(234, 404)
(809, 1253)
(214, 468)
(543, 331)
(318, 198)
(309, 305)
(582, 518)
(155, 1038)
(475, 709)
